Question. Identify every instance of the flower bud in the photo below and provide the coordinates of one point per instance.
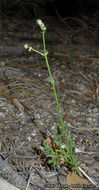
(26, 46)
(39, 22)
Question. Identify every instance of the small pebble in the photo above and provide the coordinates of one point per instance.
(62, 179)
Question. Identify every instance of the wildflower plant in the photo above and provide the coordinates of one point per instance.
(65, 153)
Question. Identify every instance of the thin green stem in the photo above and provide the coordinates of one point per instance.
(53, 84)
(38, 52)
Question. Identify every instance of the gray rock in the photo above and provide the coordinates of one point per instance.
(8, 172)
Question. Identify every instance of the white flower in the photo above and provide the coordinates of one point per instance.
(26, 46)
(39, 22)
(44, 28)
(30, 48)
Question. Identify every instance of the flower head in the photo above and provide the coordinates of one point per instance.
(30, 48)
(26, 46)
(41, 24)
